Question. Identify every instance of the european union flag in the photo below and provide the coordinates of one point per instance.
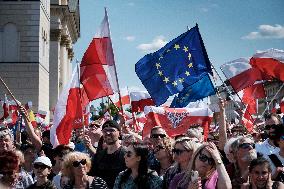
(194, 92)
(180, 63)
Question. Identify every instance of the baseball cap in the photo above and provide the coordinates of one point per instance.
(44, 160)
(111, 123)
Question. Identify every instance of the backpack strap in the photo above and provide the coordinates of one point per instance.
(275, 160)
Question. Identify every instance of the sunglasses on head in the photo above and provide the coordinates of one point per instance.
(158, 148)
(128, 154)
(40, 166)
(247, 145)
(204, 158)
(178, 151)
(158, 135)
(77, 163)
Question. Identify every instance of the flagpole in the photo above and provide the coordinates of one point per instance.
(115, 71)
(267, 107)
(18, 104)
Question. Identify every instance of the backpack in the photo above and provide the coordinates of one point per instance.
(277, 163)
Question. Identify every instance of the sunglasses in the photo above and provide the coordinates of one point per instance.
(40, 166)
(158, 135)
(128, 154)
(207, 159)
(109, 130)
(178, 151)
(77, 163)
(267, 127)
(158, 148)
(246, 145)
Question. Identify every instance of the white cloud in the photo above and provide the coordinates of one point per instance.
(129, 38)
(157, 43)
(267, 32)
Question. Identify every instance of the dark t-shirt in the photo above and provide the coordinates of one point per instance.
(47, 185)
(108, 166)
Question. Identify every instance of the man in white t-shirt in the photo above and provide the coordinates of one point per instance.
(277, 160)
(268, 146)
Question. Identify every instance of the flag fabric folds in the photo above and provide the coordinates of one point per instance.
(241, 74)
(125, 99)
(194, 92)
(270, 62)
(176, 121)
(139, 100)
(68, 112)
(181, 62)
(97, 66)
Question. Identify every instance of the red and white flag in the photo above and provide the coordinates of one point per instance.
(270, 62)
(241, 74)
(125, 99)
(97, 67)
(176, 121)
(5, 106)
(68, 112)
(139, 100)
(247, 120)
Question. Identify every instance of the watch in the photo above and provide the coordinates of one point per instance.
(219, 161)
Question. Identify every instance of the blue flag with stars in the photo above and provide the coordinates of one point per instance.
(194, 92)
(180, 63)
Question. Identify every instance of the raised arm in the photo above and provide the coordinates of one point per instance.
(222, 126)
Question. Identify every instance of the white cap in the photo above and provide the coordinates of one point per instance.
(44, 160)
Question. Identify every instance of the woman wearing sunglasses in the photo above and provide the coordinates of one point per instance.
(182, 151)
(206, 170)
(137, 175)
(75, 167)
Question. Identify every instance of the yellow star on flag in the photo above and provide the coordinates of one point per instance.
(190, 65)
(175, 83)
(187, 73)
(189, 56)
(166, 80)
(181, 80)
(185, 49)
(158, 65)
(176, 46)
(160, 72)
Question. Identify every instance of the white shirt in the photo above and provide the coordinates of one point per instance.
(266, 149)
(273, 168)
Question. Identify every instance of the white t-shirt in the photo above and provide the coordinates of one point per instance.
(273, 168)
(266, 149)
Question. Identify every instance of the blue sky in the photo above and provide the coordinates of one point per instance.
(230, 29)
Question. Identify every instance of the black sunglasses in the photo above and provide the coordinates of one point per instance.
(246, 145)
(158, 135)
(128, 154)
(178, 151)
(77, 163)
(40, 166)
(158, 148)
(207, 159)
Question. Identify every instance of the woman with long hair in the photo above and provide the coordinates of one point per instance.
(137, 175)
(260, 176)
(206, 170)
(183, 149)
(75, 167)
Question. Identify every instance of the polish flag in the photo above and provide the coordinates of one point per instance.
(139, 100)
(176, 121)
(247, 120)
(270, 62)
(68, 112)
(5, 109)
(125, 99)
(141, 118)
(13, 105)
(282, 106)
(241, 74)
(97, 67)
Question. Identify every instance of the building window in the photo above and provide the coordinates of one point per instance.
(10, 43)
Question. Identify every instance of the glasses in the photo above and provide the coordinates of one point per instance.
(246, 145)
(178, 151)
(40, 166)
(267, 127)
(128, 154)
(158, 135)
(77, 163)
(109, 130)
(207, 159)
(158, 148)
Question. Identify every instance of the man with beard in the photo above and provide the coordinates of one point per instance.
(269, 146)
(108, 163)
(244, 152)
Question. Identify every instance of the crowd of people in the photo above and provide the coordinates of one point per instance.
(111, 155)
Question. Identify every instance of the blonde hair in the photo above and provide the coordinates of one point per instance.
(67, 165)
(191, 167)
